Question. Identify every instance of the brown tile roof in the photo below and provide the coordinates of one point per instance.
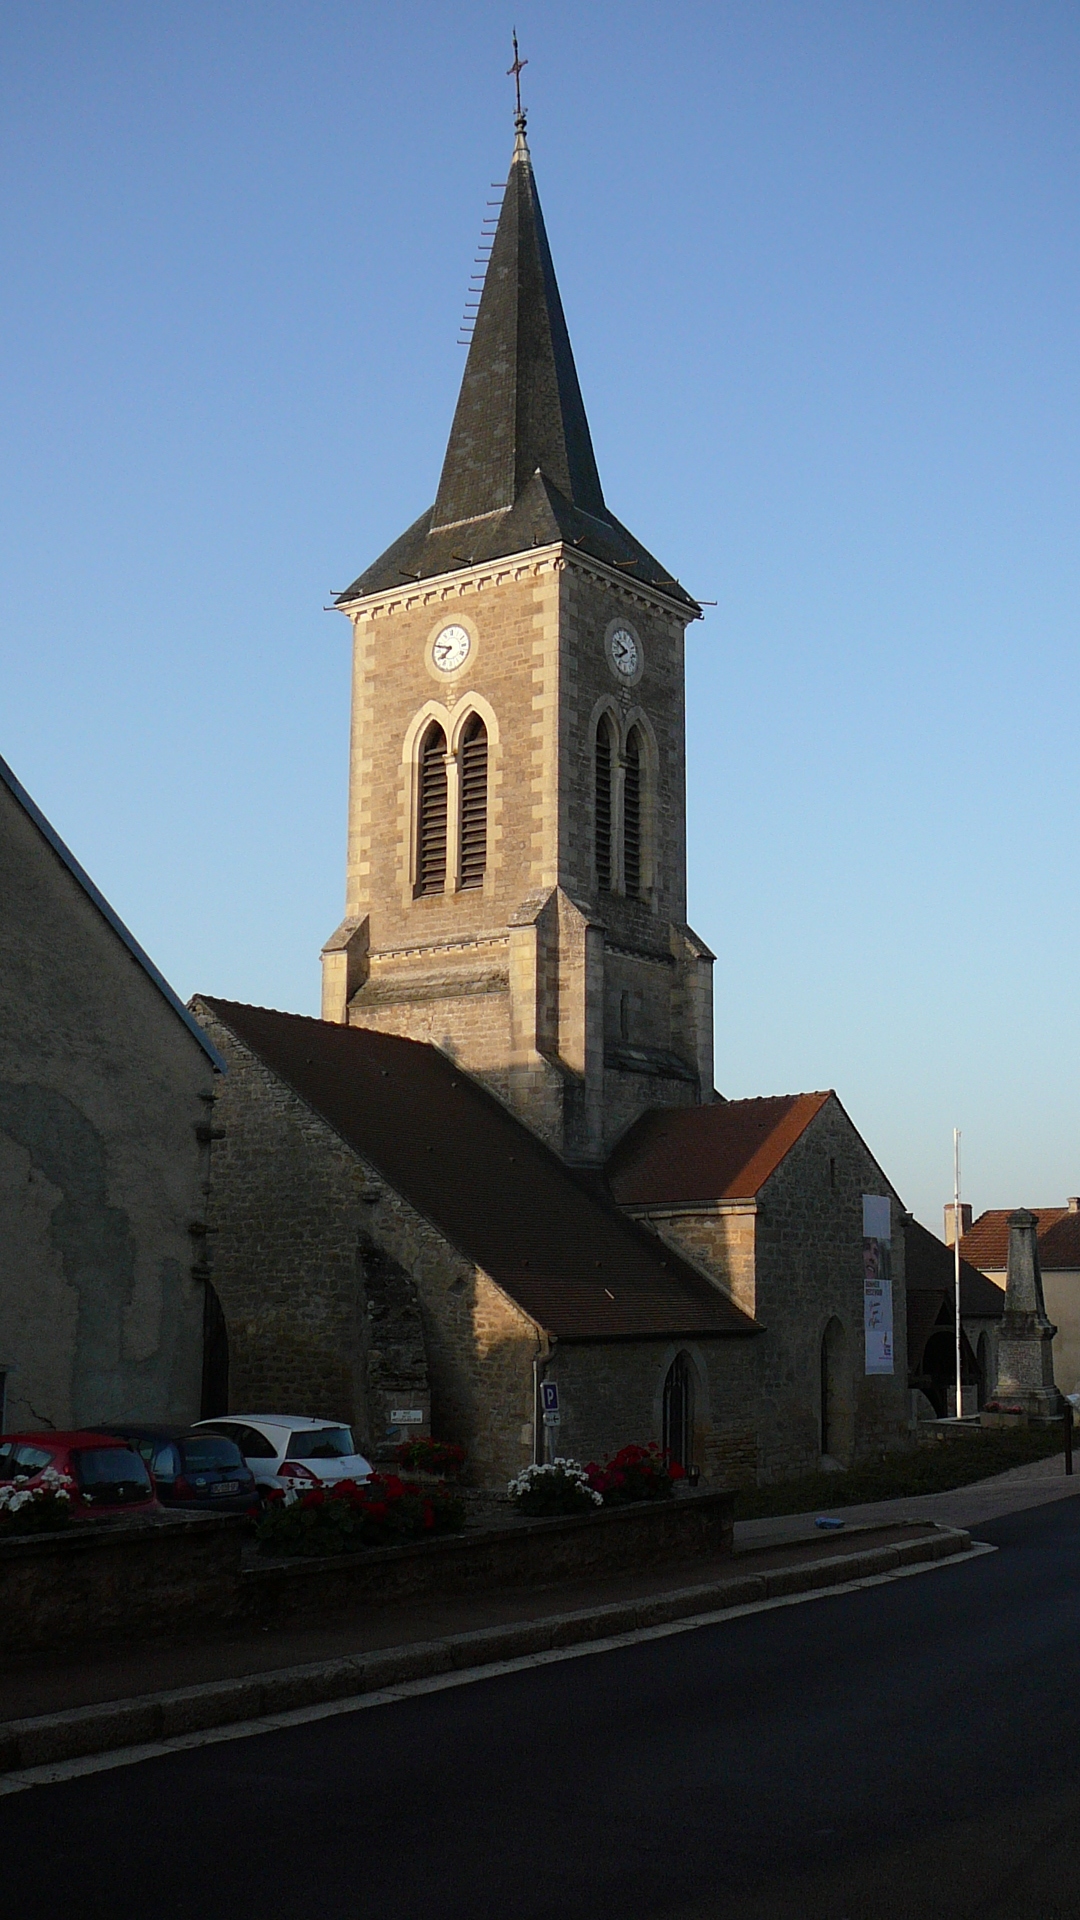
(929, 1267)
(725, 1151)
(986, 1241)
(566, 1254)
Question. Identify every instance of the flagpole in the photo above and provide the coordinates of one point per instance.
(956, 1263)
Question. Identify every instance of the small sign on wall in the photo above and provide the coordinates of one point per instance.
(406, 1416)
(877, 1282)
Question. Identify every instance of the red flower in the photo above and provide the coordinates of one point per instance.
(316, 1498)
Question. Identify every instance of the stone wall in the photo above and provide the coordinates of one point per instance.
(611, 1394)
(340, 1297)
(809, 1261)
(328, 1278)
(103, 1092)
(500, 975)
(130, 1580)
(792, 1258)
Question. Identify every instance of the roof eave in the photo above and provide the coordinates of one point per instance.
(94, 894)
(474, 576)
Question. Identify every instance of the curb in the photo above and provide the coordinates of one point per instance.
(84, 1731)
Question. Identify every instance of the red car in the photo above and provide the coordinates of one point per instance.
(107, 1476)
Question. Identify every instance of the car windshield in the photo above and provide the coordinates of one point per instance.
(110, 1467)
(204, 1454)
(320, 1443)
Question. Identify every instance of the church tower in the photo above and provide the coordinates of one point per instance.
(516, 887)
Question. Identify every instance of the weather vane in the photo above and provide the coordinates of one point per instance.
(516, 71)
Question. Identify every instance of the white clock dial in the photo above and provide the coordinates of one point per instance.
(451, 649)
(625, 652)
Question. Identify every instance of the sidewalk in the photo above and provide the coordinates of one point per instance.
(970, 1506)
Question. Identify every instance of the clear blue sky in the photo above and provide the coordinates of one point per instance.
(819, 261)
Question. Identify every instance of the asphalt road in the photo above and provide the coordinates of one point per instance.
(903, 1753)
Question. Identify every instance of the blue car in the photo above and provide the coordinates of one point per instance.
(193, 1472)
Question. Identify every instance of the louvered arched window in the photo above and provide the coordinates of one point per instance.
(632, 816)
(604, 766)
(431, 823)
(474, 782)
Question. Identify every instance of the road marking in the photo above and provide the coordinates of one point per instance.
(51, 1775)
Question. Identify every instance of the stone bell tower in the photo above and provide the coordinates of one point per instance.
(516, 887)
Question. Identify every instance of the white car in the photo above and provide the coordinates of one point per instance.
(286, 1450)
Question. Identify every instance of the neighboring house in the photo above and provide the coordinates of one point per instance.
(930, 1271)
(389, 1238)
(986, 1244)
(106, 1091)
(768, 1196)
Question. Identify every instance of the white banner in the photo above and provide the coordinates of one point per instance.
(877, 1282)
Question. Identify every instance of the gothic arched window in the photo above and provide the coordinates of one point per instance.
(431, 823)
(474, 780)
(632, 816)
(604, 766)
(679, 1410)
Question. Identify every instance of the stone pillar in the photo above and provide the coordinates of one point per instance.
(1025, 1357)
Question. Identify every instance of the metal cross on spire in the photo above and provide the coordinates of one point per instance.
(519, 117)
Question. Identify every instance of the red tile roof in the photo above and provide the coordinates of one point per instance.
(550, 1239)
(986, 1242)
(725, 1151)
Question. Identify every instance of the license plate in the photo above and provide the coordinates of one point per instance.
(226, 1486)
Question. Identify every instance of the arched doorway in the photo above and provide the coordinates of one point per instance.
(834, 1389)
(679, 1410)
(215, 1361)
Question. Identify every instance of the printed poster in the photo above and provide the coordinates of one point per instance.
(877, 1283)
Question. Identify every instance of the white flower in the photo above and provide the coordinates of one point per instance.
(550, 1470)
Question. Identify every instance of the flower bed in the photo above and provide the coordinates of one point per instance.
(42, 1508)
(351, 1514)
(441, 1457)
(563, 1486)
(559, 1486)
(635, 1473)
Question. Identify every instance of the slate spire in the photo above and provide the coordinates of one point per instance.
(520, 408)
(519, 470)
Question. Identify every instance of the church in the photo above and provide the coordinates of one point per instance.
(493, 1192)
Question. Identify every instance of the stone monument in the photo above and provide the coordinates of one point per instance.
(1025, 1355)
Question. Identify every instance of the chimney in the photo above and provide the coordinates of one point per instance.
(1073, 1203)
(965, 1221)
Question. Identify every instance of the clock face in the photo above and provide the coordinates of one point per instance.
(625, 652)
(451, 649)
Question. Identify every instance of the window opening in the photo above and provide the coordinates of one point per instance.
(431, 835)
(632, 817)
(624, 1016)
(474, 781)
(603, 806)
(679, 1410)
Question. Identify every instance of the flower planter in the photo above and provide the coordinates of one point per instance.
(140, 1579)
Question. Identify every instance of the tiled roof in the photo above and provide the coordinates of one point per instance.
(578, 1266)
(986, 1241)
(929, 1267)
(725, 1151)
(519, 470)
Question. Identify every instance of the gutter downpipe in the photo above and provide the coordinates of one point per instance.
(545, 1353)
